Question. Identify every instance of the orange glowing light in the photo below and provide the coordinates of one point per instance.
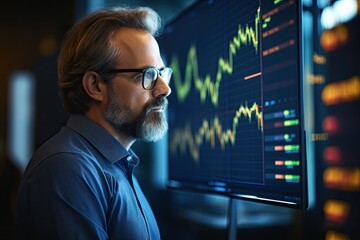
(332, 39)
(332, 235)
(336, 211)
(346, 179)
(340, 92)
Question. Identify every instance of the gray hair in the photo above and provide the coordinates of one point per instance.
(89, 46)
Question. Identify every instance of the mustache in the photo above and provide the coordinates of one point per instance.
(158, 103)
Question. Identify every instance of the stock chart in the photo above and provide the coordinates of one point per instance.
(235, 111)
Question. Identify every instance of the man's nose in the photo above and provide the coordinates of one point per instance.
(162, 88)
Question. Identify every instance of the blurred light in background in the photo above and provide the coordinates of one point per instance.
(21, 118)
(341, 11)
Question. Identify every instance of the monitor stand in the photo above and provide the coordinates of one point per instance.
(232, 219)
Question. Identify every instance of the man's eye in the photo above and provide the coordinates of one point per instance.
(138, 76)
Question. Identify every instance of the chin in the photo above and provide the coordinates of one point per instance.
(152, 132)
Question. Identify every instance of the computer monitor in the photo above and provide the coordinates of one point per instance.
(235, 112)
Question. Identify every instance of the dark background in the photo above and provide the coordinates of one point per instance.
(30, 34)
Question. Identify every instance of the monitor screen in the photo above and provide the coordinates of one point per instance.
(235, 112)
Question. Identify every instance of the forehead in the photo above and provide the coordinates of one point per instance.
(137, 48)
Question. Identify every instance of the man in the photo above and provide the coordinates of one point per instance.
(80, 183)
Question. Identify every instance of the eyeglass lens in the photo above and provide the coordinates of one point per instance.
(151, 75)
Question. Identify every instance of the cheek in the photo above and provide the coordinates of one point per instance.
(133, 99)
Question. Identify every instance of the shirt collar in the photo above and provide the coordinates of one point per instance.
(102, 140)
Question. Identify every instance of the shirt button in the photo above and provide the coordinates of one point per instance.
(129, 158)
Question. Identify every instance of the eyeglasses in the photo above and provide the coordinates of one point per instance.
(149, 75)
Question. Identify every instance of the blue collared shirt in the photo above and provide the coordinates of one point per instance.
(80, 185)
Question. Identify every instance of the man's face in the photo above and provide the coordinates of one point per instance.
(132, 110)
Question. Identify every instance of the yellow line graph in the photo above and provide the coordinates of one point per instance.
(212, 132)
(246, 36)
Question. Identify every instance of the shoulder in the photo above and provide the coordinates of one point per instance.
(65, 168)
(67, 148)
(66, 155)
(71, 177)
(66, 140)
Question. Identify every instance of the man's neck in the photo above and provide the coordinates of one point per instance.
(123, 139)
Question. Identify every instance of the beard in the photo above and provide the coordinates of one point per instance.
(148, 126)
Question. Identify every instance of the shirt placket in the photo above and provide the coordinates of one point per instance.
(130, 165)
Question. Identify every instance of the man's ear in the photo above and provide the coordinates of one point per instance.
(94, 86)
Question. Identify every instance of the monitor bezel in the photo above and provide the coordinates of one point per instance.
(304, 205)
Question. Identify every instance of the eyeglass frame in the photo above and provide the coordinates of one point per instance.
(158, 72)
